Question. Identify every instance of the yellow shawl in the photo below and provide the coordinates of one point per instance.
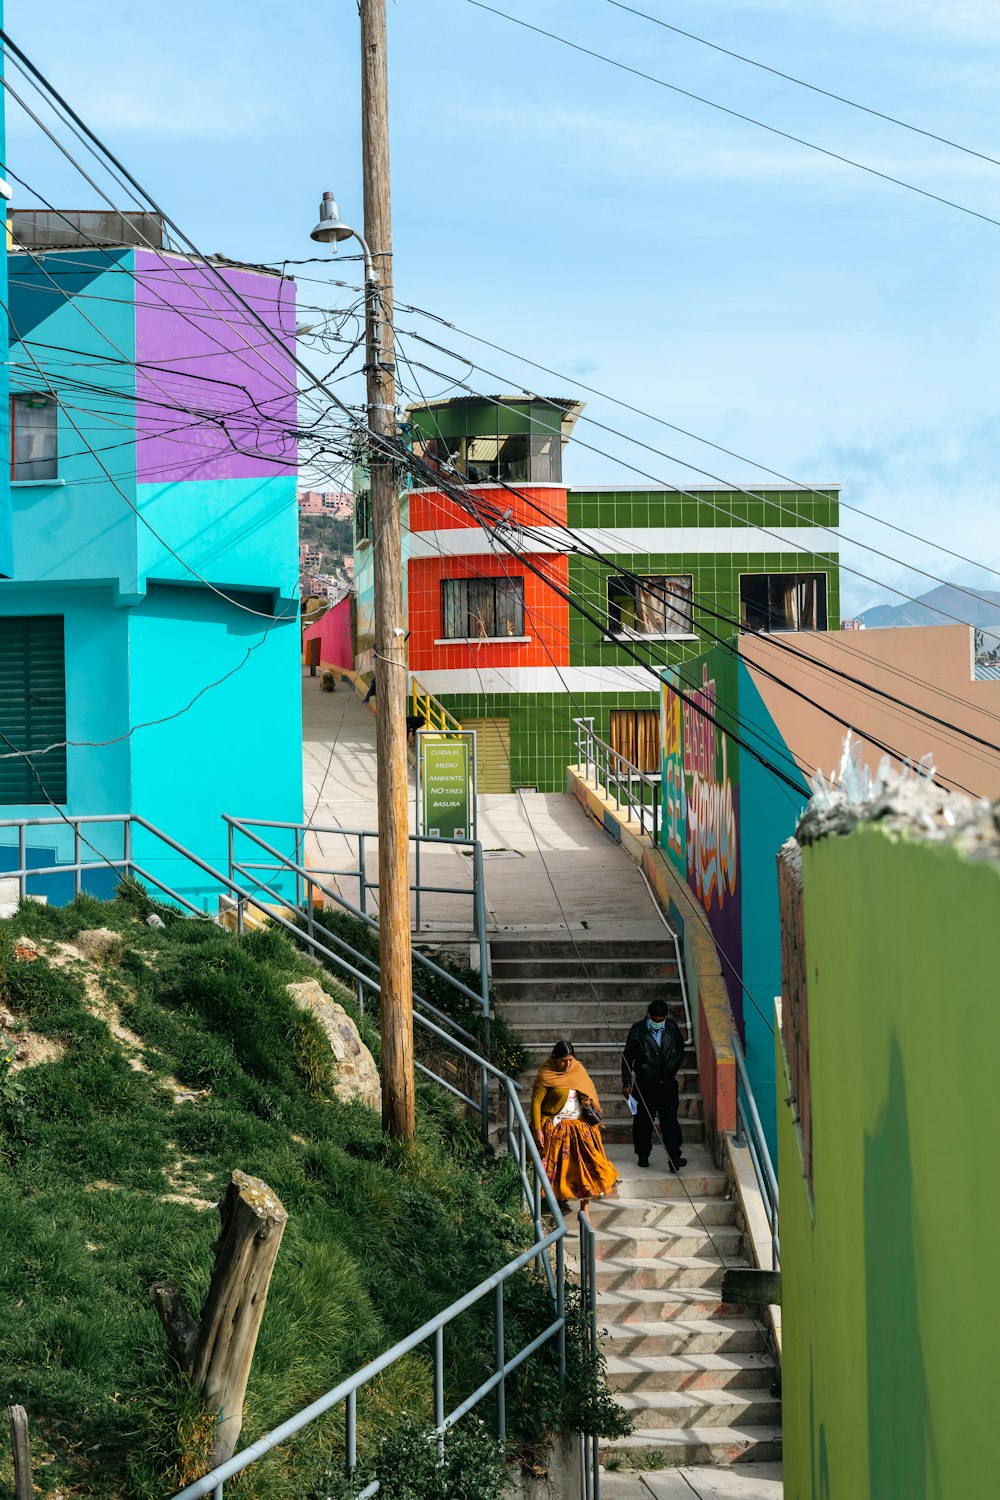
(552, 1086)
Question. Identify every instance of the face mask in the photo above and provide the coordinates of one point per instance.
(656, 1027)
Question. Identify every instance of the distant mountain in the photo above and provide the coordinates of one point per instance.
(980, 607)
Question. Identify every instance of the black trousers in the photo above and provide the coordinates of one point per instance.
(656, 1099)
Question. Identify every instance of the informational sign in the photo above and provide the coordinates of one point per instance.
(446, 787)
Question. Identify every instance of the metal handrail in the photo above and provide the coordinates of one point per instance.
(750, 1132)
(588, 1300)
(535, 1186)
(619, 776)
(307, 876)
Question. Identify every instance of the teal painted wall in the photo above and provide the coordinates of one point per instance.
(78, 311)
(769, 811)
(238, 749)
(150, 663)
(889, 1341)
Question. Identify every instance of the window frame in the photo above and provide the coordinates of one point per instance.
(510, 583)
(33, 401)
(685, 631)
(821, 601)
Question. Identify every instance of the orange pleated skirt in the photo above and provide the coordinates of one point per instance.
(574, 1160)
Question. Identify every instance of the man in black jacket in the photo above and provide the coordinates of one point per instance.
(653, 1053)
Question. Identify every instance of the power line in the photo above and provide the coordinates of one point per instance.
(736, 114)
(725, 485)
(803, 84)
(673, 427)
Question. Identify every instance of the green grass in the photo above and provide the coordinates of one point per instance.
(378, 1238)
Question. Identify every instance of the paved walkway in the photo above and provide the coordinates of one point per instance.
(744, 1482)
(546, 863)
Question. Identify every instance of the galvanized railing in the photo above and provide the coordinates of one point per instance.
(358, 872)
(750, 1132)
(637, 791)
(308, 885)
(536, 1191)
(588, 1300)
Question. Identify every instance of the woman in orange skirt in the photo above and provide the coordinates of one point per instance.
(571, 1147)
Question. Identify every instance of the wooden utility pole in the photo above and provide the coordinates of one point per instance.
(390, 626)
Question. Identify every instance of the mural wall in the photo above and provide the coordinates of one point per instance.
(701, 799)
(888, 1349)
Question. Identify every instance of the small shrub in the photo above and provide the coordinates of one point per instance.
(410, 1465)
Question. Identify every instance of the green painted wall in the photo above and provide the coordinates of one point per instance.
(890, 1344)
(542, 737)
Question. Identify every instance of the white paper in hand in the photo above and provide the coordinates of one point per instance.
(633, 1108)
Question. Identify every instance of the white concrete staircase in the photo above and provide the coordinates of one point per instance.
(694, 1373)
(589, 992)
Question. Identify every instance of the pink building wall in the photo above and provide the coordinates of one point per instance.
(333, 631)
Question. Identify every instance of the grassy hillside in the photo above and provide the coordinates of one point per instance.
(176, 1060)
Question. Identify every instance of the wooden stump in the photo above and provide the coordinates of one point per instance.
(23, 1487)
(216, 1352)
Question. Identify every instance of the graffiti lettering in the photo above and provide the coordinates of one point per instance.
(699, 730)
(711, 836)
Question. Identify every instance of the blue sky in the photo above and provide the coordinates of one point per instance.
(806, 315)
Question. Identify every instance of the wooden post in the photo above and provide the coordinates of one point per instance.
(216, 1352)
(390, 627)
(23, 1487)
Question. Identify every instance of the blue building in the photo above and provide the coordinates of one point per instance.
(149, 637)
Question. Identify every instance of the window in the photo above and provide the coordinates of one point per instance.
(783, 601)
(635, 734)
(33, 707)
(33, 437)
(650, 606)
(363, 516)
(482, 608)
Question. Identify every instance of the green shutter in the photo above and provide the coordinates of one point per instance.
(32, 708)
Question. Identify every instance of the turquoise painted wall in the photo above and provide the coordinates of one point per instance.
(769, 811)
(137, 650)
(77, 312)
(238, 749)
(889, 1341)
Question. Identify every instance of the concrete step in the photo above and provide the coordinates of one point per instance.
(624, 966)
(618, 1130)
(575, 949)
(667, 1447)
(682, 1481)
(636, 1374)
(657, 1183)
(608, 1079)
(656, 1409)
(669, 1216)
(705, 1242)
(637, 993)
(597, 1053)
(689, 1107)
(683, 1336)
(538, 1032)
(541, 1006)
(667, 1305)
(661, 1272)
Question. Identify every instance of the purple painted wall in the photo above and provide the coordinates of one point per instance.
(196, 344)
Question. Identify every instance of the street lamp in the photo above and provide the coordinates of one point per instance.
(390, 629)
(331, 229)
